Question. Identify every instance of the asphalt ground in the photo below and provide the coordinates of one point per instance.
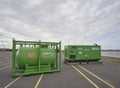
(92, 75)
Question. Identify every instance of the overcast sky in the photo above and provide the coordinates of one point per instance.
(70, 21)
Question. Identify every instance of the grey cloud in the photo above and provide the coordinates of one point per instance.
(72, 21)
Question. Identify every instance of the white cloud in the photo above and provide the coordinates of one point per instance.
(71, 21)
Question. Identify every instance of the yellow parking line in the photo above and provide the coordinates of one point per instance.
(111, 86)
(96, 86)
(38, 82)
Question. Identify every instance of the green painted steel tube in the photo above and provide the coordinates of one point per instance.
(13, 57)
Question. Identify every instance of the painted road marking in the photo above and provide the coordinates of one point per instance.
(111, 86)
(96, 86)
(12, 82)
(5, 67)
(1, 62)
(39, 80)
(5, 63)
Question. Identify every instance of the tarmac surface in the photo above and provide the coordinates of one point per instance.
(92, 75)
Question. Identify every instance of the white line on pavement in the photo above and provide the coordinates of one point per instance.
(12, 82)
(5, 67)
(1, 62)
(4, 63)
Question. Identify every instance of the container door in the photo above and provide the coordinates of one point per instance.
(80, 53)
(72, 54)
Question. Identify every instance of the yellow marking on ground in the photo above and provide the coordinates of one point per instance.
(96, 86)
(97, 77)
(39, 80)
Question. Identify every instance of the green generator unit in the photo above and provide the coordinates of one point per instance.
(33, 57)
(82, 53)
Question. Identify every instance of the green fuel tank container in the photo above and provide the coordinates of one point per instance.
(32, 55)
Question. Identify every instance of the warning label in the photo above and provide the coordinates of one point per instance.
(31, 55)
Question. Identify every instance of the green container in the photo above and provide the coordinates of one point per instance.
(33, 57)
(80, 53)
(30, 56)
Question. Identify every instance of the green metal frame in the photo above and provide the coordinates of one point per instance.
(35, 69)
